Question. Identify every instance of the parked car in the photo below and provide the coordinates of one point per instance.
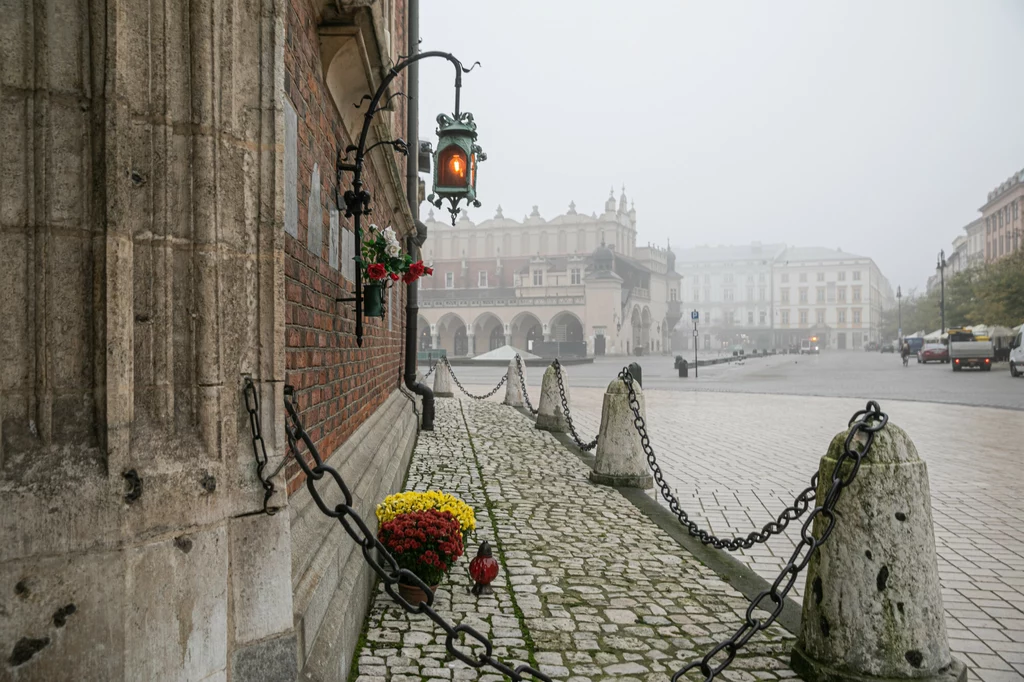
(933, 352)
(1017, 354)
(871, 346)
(887, 347)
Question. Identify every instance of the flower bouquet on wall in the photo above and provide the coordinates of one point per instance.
(425, 533)
(384, 263)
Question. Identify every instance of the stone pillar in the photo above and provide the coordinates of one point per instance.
(620, 457)
(435, 341)
(470, 344)
(550, 416)
(442, 380)
(508, 339)
(873, 605)
(513, 387)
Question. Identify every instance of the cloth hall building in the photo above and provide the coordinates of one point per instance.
(576, 284)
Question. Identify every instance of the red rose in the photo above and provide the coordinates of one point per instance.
(428, 271)
(376, 271)
(394, 275)
(416, 269)
(409, 278)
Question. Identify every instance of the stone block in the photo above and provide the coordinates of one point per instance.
(872, 604)
(177, 628)
(513, 385)
(550, 412)
(272, 660)
(291, 169)
(314, 214)
(260, 576)
(442, 380)
(332, 239)
(620, 457)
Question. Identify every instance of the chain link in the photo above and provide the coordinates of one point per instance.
(381, 561)
(800, 505)
(463, 389)
(585, 447)
(259, 448)
(864, 423)
(522, 384)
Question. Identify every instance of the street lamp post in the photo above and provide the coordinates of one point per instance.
(899, 313)
(941, 265)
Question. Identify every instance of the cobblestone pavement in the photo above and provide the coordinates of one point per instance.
(590, 589)
(735, 460)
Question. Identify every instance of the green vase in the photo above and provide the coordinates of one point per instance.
(373, 300)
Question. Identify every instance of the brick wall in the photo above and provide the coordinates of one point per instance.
(338, 383)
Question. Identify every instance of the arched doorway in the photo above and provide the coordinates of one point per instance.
(526, 330)
(488, 333)
(566, 327)
(424, 341)
(645, 329)
(451, 332)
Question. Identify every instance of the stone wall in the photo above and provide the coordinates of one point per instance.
(154, 250)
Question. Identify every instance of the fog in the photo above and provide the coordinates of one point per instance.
(877, 127)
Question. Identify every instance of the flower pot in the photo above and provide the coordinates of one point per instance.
(373, 300)
(413, 594)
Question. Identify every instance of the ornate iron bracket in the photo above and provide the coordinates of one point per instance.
(356, 201)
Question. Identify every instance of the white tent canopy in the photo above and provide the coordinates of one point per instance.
(506, 353)
(935, 336)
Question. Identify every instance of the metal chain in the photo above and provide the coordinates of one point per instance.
(866, 422)
(522, 384)
(381, 561)
(463, 389)
(431, 370)
(800, 505)
(259, 448)
(585, 447)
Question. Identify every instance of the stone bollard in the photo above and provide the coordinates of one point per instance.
(872, 604)
(442, 380)
(621, 460)
(550, 416)
(513, 387)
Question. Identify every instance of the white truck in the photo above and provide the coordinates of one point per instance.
(1017, 353)
(965, 351)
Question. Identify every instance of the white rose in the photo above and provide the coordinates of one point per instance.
(394, 250)
(390, 236)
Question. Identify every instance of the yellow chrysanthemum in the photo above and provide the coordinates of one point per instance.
(403, 503)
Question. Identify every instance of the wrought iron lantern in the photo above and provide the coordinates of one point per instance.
(455, 162)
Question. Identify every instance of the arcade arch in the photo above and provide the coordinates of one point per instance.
(452, 336)
(488, 333)
(525, 329)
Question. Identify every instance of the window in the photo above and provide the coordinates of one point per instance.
(761, 293)
(707, 293)
(819, 316)
(803, 317)
(696, 295)
(762, 318)
(727, 295)
(785, 295)
(707, 279)
(842, 276)
(803, 294)
(750, 293)
(856, 316)
(760, 277)
(856, 294)
(841, 294)
(785, 317)
(841, 316)
(482, 279)
(727, 278)
(707, 317)
(575, 278)
(750, 317)
(803, 276)
(820, 293)
(449, 280)
(821, 276)
(856, 275)
(538, 278)
(672, 295)
(785, 277)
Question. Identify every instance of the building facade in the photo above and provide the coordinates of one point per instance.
(575, 279)
(1003, 215)
(773, 296)
(169, 229)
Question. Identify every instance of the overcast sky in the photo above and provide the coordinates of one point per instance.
(874, 126)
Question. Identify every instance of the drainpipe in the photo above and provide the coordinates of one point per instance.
(412, 189)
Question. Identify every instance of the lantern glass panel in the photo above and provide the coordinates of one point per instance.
(452, 167)
(472, 170)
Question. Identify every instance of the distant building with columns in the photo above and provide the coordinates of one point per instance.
(570, 285)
